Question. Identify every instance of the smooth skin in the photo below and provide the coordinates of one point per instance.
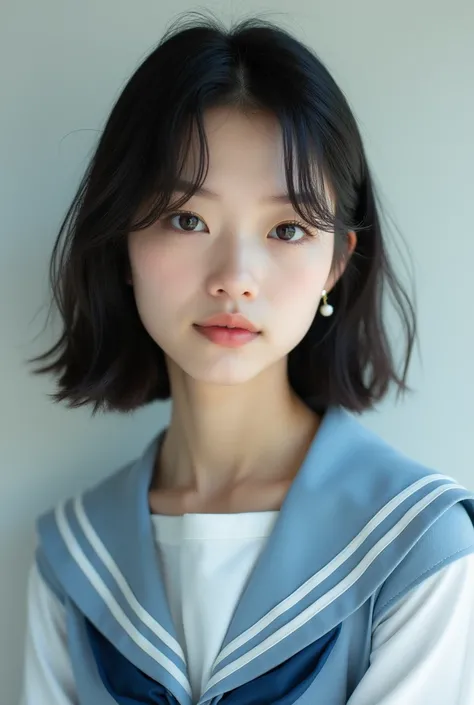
(238, 433)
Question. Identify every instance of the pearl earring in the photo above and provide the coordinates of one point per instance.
(326, 309)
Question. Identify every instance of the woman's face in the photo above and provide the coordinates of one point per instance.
(237, 252)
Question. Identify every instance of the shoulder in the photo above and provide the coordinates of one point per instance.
(415, 487)
(443, 587)
(362, 456)
(446, 541)
(62, 531)
(420, 519)
(100, 492)
(117, 487)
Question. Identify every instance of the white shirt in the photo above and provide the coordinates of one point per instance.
(422, 652)
(206, 560)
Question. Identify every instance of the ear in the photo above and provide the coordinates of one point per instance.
(337, 272)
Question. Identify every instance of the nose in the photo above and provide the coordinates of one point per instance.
(234, 272)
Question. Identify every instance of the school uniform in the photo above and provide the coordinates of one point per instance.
(298, 606)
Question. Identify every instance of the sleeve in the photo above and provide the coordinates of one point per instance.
(423, 649)
(47, 673)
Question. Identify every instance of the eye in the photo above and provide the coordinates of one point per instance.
(291, 231)
(185, 221)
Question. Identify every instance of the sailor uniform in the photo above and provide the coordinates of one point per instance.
(361, 526)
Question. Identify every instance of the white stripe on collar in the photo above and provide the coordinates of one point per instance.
(109, 563)
(101, 588)
(321, 603)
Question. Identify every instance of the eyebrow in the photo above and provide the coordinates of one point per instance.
(183, 186)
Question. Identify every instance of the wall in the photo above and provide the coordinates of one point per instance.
(407, 70)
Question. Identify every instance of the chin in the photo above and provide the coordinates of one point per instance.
(223, 373)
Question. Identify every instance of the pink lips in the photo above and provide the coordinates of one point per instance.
(229, 330)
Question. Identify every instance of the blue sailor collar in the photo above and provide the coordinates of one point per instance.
(353, 512)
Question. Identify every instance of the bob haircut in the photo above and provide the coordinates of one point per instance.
(104, 355)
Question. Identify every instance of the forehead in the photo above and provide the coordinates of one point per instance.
(245, 147)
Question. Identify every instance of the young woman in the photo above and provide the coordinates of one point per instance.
(225, 250)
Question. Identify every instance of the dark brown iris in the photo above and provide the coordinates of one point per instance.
(286, 231)
(188, 222)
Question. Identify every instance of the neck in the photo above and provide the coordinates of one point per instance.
(220, 437)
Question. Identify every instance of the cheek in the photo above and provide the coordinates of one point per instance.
(298, 290)
(295, 300)
(300, 304)
(158, 274)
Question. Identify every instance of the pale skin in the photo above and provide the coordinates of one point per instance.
(238, 433)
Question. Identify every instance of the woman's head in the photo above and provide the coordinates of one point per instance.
(248, 114)
(233, 247)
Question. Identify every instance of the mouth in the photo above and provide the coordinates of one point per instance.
(227, 336)
(231, 321)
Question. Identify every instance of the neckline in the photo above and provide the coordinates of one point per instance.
(216, 527)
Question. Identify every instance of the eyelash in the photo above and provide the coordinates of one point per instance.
(298, 223)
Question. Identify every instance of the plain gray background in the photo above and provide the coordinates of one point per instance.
(407, 69)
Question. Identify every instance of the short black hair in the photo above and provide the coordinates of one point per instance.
(104, 356)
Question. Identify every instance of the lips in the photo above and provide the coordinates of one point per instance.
(227, 337)
(229, 320)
